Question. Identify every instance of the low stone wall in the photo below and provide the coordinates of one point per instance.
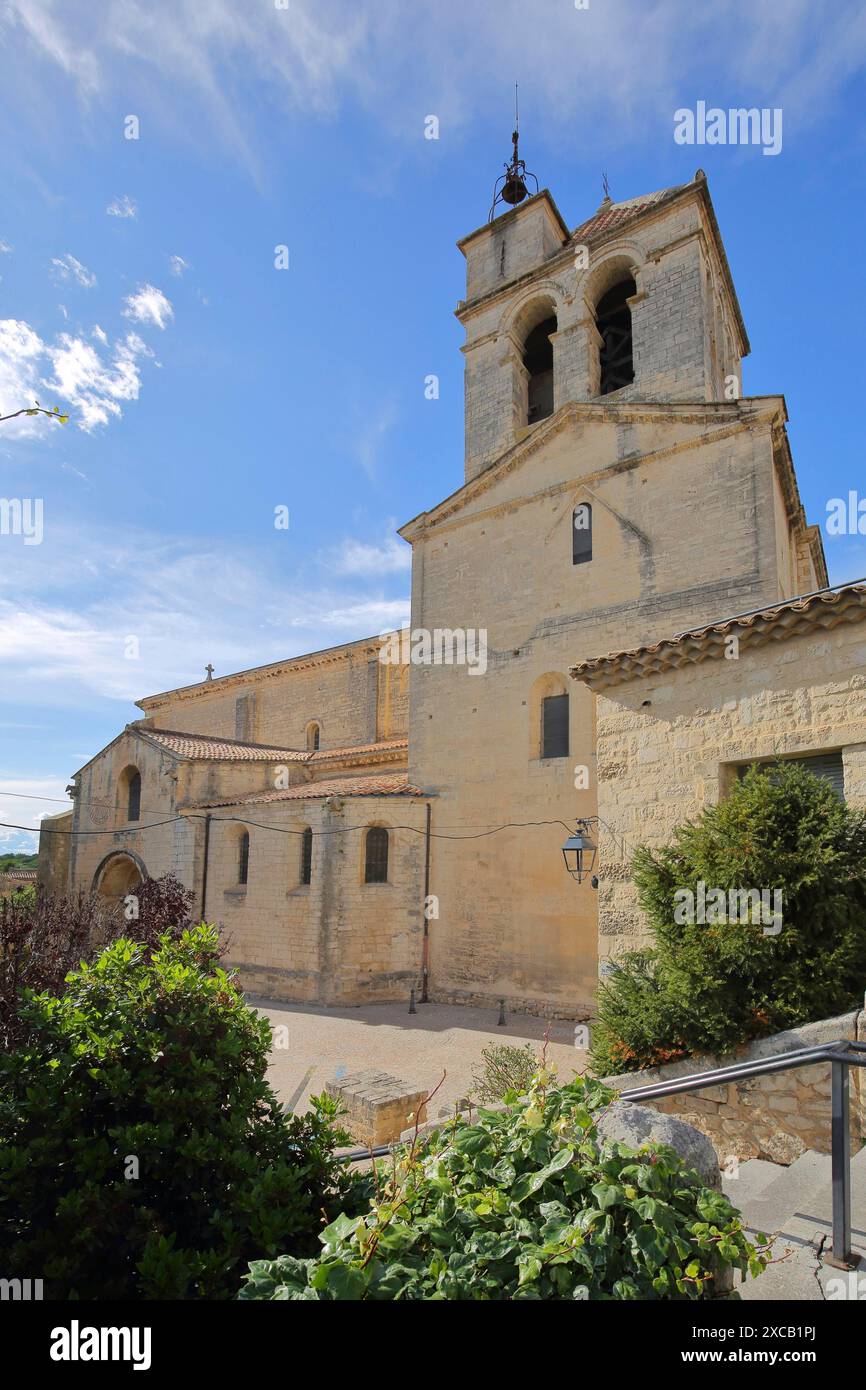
(777, 1117)
(514, 1004)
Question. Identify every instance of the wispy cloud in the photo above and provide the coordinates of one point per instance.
(5, 248)
(149, 305)
(455, 54)
(355, 557)
(67, 270)
(178, 265)
(184, 601)
(362, 619)
(122, 207)
(76, 472)
(52, 39)
(370, 436)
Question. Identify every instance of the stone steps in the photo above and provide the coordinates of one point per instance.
(793, 1206)
(751, 1181)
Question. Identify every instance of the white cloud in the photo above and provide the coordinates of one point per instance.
(20, 352)
(367, 617)
(91, 386)
(63, 49)
(122, 207)
(68, 270)
(632, 60)
(186, 601)
(5, 248)
(178, 265)
(354, 557)
(149, 305)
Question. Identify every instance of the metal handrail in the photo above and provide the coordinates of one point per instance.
(841, 1054)
(741, 1071)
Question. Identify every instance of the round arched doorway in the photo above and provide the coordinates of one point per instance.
(119, 874)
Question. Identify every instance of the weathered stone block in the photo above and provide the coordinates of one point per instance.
(378, 1107)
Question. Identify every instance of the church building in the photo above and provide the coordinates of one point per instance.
(363, 823)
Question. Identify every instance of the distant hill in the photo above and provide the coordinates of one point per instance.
(17, 861)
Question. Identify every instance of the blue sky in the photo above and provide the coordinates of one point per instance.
(205, 387)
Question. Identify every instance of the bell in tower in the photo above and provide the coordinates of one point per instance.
(511, 187)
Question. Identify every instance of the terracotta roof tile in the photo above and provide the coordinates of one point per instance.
(825, 609)
(389, 784)
(186, 745)
(387, 745)
(612, 215)
(223, 749)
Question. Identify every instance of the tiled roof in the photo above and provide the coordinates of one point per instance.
(389, 784)
(612, 215)
(387, 745)
(823, 610)
(224, 749)
(229, 749)
(18, 875)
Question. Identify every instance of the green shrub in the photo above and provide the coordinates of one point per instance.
(142, 1151)
(503, 1068)
(708, 987)
(524, 1204)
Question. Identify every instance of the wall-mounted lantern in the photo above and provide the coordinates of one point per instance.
(579, 851)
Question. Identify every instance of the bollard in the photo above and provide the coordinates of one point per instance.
(500, 1023)
(412, 1008)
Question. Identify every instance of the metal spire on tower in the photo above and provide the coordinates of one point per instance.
(511, 187)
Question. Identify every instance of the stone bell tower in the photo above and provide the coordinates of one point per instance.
(636, 304)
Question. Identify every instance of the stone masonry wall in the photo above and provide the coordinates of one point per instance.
(668, 745)
(776, 1117)
(336, 940)
(159, 841)
(352, 695)
(683, 327)
(54, 852)
(678, 509)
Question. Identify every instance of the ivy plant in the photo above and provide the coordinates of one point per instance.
(525, 1203)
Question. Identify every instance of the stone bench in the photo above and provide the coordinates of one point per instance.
(377, 1106)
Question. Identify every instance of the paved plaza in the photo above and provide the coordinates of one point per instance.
(313, 1045)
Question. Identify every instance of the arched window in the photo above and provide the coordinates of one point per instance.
(306, 855)
(581, 534)
(538, 361)
(132, 778)
(244, 857)
(554, 726)
(376, 858)
(613, 321)
(313, 733)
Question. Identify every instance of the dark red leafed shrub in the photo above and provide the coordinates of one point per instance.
(43, 937)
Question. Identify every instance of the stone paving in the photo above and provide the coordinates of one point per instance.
(314, 1045)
